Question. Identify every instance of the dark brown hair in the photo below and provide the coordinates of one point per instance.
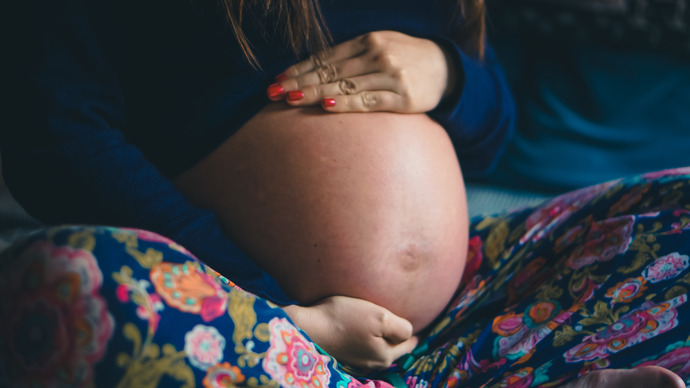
(305, 27)
(471, 32)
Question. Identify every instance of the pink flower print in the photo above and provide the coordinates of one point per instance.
(187, 288)
(666, 267)
(570, 237)
(527, 278)
(469, 365)
(149, 310)
(680, 212)
(293, 361)
(629, 199)
(648, 321)
(555, 212)
(204, 346)
(668, 172)
(592, 366)
(122, 293)
(150, 236)
(223, 376)
(519, 379)
(467, 296)
(148, 304)
(368, 384)
(521, 345)
(416, 382)
(507, 324)
(474, 259)
(627, 290)
(683, 225)
(56, 322)
(511, 331)
(455, 378)
(604, 240)
(677, 360)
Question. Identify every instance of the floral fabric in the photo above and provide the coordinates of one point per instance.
(596, 278)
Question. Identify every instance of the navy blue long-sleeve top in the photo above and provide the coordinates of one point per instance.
(110, 100)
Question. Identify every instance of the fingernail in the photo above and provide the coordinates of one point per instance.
(281, 77)
(295, 95)
(328, 102)
(275, 91)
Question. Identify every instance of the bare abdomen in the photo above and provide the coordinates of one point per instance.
(368, 205)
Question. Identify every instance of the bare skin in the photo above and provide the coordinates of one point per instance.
(277, 206)
(376, 277)
(368, 205)
(409, 75)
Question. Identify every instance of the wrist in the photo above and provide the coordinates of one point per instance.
(311, 320)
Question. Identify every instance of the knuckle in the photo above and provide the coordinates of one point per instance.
(312, 92)
(398, 74)
(370, 40)
(370, 101)
(327, 73)
(386, 60)
(385, 317)
(317, 59)
(347, 86)
(300, 82)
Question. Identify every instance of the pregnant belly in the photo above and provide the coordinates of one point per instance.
(368, 205)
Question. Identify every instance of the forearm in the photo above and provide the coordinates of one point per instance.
(67, 160)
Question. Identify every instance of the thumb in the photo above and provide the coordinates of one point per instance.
(391, 352)
(396, 329)
(405, 347)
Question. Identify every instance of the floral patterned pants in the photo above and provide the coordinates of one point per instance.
(596, 278)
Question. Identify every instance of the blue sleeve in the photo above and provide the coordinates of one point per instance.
(66, 160)
(480, 115)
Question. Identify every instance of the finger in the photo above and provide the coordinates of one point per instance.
(276, 92)
(405, 347)
(386, 353)
(346, 86)
(394, 329)
(366, 101)
(332, 72)
(344, 50)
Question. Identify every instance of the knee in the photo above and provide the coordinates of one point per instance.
(54, 315)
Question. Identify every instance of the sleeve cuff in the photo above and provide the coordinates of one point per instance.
(446, 107)
(479, 115)
(460, 106)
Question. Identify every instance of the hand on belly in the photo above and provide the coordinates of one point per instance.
(368, 205)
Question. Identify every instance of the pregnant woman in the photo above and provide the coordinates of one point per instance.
(368, 205)
(342, 200)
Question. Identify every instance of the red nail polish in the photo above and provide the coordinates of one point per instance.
(275, 91)
(328, 102)
(295, 95)
(281, 77)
